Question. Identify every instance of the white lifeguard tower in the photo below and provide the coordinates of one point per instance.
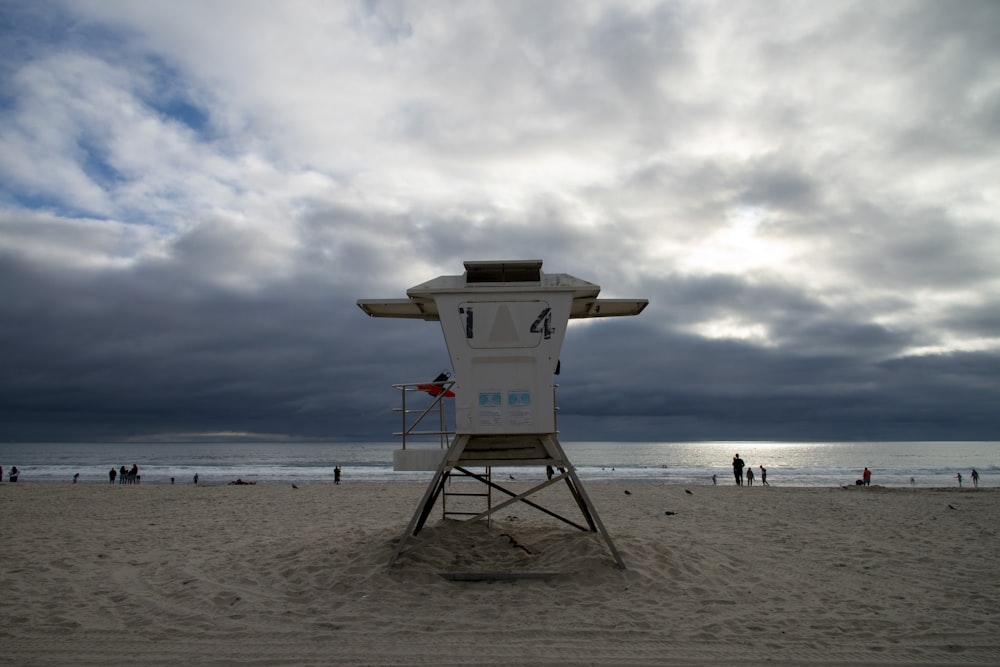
(503, 323)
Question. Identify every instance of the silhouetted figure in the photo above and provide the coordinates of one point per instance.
(112, 474)
(866, 477)
(763, 476)
(749, 476)
(196, 478)
(336, 475)
(959, 476)
(14, 473)
(76, 476)
(975, 478)
(738, 469)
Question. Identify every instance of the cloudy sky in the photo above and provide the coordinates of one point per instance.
(194, 194)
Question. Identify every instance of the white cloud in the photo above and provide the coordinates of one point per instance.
(830, 165)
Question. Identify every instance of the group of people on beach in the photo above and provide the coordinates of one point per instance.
(974, 476)
(12, 475)
(124, 475)
(866, 478)
(738, 472)
(866, 475)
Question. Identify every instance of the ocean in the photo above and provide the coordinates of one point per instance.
(790, 464)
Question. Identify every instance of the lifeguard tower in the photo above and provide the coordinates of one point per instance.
(504, 324)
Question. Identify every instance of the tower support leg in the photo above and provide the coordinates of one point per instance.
(581, 495)
(430, 495)
(453, 459)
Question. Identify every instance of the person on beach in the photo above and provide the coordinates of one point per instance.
(112, 474)
(975, 478)
(959, 476)
(866, 477)
(14, 472)
(763, 476)
(738, 469)
(122, 475)
(196, 478)
(713, 480)
(76, 476)
(749, 476)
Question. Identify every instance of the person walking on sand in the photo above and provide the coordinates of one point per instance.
(713, 480)
(959, 476)
(975, 478)
(866, 477)
(738, 469)
(763, 476)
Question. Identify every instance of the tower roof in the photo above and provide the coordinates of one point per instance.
(506, 276)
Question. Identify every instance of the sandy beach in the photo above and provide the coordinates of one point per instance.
(276, 575)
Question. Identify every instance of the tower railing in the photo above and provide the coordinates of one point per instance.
(414, 417)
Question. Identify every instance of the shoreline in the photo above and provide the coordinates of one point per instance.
(788, 464)
(638, 482)
(270, 574)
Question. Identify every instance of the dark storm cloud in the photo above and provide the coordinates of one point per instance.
(163, 347)
(153, 350)
(676, 387)
(910, 249)
(141, 355)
